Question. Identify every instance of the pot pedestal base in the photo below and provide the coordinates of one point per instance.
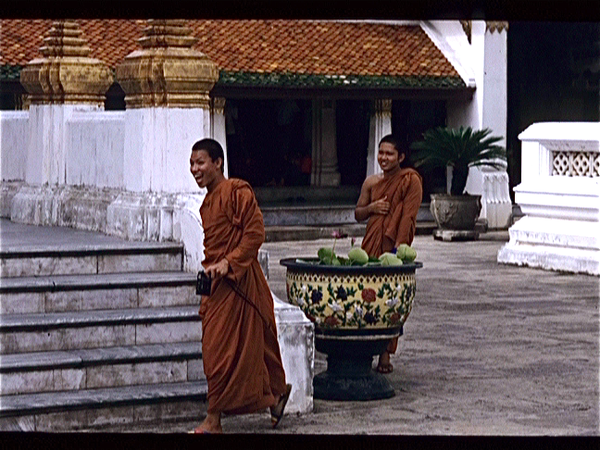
(349, 375)
(455, 235)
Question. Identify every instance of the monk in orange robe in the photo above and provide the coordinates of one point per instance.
(240, 352)
(390, 201)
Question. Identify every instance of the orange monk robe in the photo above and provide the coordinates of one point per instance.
(242, 360)
(404, 191)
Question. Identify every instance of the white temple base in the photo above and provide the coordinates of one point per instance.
(296, 337)
(554, 244)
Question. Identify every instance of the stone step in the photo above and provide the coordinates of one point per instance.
(279, 233)
(42, 332)
(267, 196)
(80, 258)
(95, 408)
(64, 293)
(321, 214)
(308, 215)
(99, 368)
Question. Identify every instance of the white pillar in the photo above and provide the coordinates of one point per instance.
(217, 128)
(324, 152)
(158, 142)
(380, 125)
(487, 109)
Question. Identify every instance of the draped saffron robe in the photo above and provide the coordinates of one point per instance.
(240, 352)
(404, 191)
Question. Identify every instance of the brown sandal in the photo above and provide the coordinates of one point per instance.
(277, 410)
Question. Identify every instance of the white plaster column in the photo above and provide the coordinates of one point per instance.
(477, 50)
(218, 124)
(380, 125)
(158, 142)
(167, 86)
(324, 152)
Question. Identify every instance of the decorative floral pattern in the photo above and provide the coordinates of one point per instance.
(353, 301)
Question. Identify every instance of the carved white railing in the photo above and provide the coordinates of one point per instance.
(576, 164)
(560, 197)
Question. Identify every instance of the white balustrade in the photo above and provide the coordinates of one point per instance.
(560, 197)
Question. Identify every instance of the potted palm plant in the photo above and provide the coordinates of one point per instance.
(456, 211)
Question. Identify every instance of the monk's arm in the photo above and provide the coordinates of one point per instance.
(253, 234)
(365, 207)
(408, 221)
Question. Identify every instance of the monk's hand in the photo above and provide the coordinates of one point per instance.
(381, 206)
(218, 270)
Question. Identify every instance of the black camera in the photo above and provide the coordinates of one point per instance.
(203, 283)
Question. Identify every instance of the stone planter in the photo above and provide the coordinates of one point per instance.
(356, 310)
(455, 216)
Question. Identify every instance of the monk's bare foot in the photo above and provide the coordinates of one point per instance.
(384, 365)
(210, 425)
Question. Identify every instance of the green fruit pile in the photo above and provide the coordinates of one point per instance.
(405, 254)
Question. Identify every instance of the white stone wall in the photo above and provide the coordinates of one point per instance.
(13, 151)
(95, 149)
(561, 226)
(157, 149)
(482, 64)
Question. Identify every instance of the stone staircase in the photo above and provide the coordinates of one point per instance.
(309, 212)
(94, 334)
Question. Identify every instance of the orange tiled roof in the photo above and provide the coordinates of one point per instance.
(301, 47)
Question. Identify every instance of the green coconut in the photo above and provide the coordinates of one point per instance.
(326, 255)
(406, 253)
(358, 255)
(389, 259)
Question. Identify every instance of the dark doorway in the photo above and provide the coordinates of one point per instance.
(410, 119)
(552, 76)
(352, 136)
(269, 142)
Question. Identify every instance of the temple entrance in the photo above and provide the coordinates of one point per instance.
(269, 142)
(410, 119)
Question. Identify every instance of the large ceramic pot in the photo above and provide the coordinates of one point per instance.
(356, 310)
(455, 212)
(455, 216)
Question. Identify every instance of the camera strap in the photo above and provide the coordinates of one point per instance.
(239, 292)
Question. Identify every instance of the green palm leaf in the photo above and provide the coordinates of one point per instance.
(459, 148)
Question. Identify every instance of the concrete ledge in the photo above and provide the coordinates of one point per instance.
(100, 368)
(96, 281)
(100, 356)
(551, 258)
(32, 322)
(46, 402)
(295, 334)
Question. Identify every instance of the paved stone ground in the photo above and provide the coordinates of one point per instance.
(488, 349)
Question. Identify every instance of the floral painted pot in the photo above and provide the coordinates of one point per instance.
(351, 297)
(356, 310)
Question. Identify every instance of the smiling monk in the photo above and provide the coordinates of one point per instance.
(240, 352)
(390, 201)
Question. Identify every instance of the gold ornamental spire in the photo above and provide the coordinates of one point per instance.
(167, 72)
(66, 74)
